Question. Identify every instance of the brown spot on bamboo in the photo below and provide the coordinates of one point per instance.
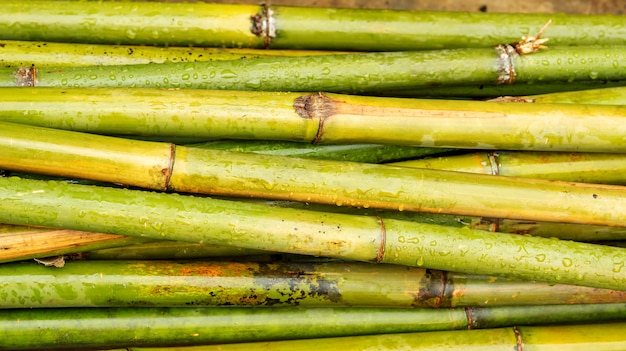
(522, 99)
(469, 315)
(432, 289)
(315, 106)
(26, 76)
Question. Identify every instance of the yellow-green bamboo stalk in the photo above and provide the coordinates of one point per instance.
(606, 96)
(203, 24)
(360, 238)
(275, 284)
(161, 166)
(598, 337)
(574, 167)
(321, 118)
(43, 54)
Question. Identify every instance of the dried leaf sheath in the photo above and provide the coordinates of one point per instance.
(185, 218)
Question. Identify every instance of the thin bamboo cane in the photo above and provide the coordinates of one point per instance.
(183, 284)
(368, 153)
(110, 327)
(161, 166)
(606, 96)
(201, 24)
(351, 73)
(43, 54)
(574, 167)
(324, 119)
(360, 238)
(598, 337)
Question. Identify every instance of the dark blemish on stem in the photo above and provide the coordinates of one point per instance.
(315, 106)
(595, 196)
(26, 76)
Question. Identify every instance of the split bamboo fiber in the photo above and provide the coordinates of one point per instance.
(275, 284)
(162, 166)
(360, 238)
(321, 118)
(202, 24)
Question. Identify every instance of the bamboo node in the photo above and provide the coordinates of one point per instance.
(26, 76)
(264, 25)
(505, 64)
(518, 339)
(380, 256)
(314, 106)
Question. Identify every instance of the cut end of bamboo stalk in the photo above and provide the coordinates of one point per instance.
(26, 76)
(263, 25)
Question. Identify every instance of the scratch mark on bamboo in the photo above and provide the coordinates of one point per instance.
(469, 315)
(167, 171)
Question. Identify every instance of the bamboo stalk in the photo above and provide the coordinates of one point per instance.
(109, 328)
(40, 242)
(606, 96)
(200, 24)
(321, 119)
(217, 172)
(184, 284)
(350, 73)
(359, 238)
(44, 54)
(599, 337)
(574, 167)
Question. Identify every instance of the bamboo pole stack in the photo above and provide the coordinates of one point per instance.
(194, 176)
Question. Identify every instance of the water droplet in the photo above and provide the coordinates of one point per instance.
(401, 208)
(166, 81)
(580, 276)
(185, 76)
(616, 64)
(112, 77)
(253, 84)
(618, 264)
(593, 75)
(81, 213)
(420, 261)
(130, 34)
(339, 203)
(567, 262)
(401, 239)
(157, 225)
(325, 71)
(540, 257)
(570, 61)
(433, 243)
(155, 34)
(228, 74)
(78, 76)
(545, 62)
(64, 81)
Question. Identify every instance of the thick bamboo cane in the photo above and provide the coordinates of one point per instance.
(134, 327)
(574, 167)
(598, 337)
(360, 238)
(183, 284)
(200, 24)
(351, 73)
(321, 118)
(43, 54)
(161, 166)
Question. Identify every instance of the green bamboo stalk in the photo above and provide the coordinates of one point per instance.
(599, 337)
(200, 24)
(359, 238)
(321, 119)
(368, 153)
(216, 172)
(43, 54)
(484, 91)
(351, 73)
(184, 284)
(574, 167)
